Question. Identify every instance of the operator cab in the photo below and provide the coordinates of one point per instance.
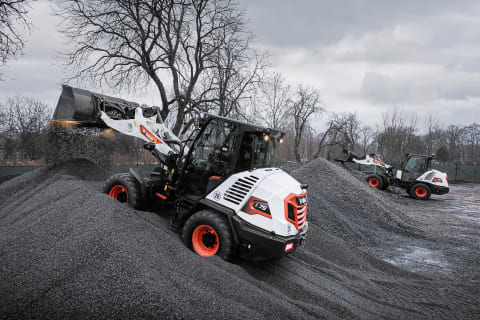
(413, 166)
(223, 147)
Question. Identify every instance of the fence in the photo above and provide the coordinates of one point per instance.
(456, 172)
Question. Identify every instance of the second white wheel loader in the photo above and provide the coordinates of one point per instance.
(415, 174)
(228, 198)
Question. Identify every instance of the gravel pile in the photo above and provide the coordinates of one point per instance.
(344, 205)
(289, 166)
(69, 251)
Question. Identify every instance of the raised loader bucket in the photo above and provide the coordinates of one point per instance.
(83, 106)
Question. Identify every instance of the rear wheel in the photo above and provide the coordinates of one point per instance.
(208, 233)
(376, 181)
(420, 191)
(124, 188)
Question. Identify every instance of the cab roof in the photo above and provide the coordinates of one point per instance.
(245, 126)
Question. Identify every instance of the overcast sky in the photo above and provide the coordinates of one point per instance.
(363, 56)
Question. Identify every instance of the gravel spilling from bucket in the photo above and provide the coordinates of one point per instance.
(69, 251)
(69, 143)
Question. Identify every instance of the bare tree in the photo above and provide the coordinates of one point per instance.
(366, 135)
(306, 103)
(229, 87)
(130, 43)
(431, 138)
(397, 135)
(343, 129)
(24, 120)
(348, 127)
(322, 140)
(471, 142)
(13, 24)
(453, 135)
(274, 101)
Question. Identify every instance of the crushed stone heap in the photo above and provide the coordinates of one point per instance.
(70, 251)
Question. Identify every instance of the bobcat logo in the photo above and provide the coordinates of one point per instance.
(217, 196)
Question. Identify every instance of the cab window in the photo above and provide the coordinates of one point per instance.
(415, 164)
(211, 155)
(256, 151)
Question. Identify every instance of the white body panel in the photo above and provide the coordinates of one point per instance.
(439, 177)
(427, 177)
(273, 186)
(398, 174)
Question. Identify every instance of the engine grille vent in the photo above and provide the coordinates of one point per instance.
(297, 209)
(430, 176)
(239, 190)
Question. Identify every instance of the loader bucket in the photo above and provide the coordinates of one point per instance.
(83, 106)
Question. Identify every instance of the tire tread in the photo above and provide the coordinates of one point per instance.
(131, 184)
(221, 226)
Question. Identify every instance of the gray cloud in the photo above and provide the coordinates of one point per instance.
(382, 89)
(363, 56)
(369, 55)
(312, 22)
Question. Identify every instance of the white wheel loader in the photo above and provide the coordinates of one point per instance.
(415, 174)
(228, 198)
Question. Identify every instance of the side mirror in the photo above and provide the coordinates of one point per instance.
(149, 146)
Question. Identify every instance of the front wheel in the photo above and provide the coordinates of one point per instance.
(376, 181)
(208, 233)
(420, 191)
(124, 188)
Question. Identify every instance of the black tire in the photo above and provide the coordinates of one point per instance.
(195, 225)
(385, 185)
(124, 188)
(420, 191)
(376, 181)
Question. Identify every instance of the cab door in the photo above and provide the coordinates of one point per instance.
(210, 159)
(413, 168)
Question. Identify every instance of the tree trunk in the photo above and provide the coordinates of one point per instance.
(180, 118)
(320, 144)
(298, 140)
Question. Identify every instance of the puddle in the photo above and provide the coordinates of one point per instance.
(418, 259)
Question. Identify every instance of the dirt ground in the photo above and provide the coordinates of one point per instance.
(69, 251)
(452, 225)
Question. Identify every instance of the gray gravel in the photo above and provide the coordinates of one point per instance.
(69, 251)
(65, 144)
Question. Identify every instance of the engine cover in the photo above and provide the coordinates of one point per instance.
(268, 198)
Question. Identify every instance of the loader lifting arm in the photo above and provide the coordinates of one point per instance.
(367, 159)
(129, 118)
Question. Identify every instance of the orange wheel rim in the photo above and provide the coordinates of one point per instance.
(374, 182)
(205, 241)
(421, 192)
(118, 192)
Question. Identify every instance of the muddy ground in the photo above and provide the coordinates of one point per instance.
(68, 250)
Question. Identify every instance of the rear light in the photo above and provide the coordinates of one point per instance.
(289, 246)
(301, 200)
(447, 179)
(439, 180)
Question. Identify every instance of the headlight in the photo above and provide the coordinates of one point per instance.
(257, 206)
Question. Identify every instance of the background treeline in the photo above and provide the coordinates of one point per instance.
(199, 55)
(24, 138)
